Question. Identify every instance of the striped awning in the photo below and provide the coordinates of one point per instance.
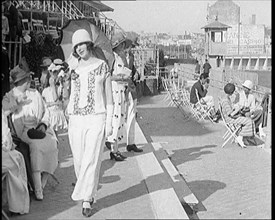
(98, 6)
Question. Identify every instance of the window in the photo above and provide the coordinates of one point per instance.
(217, 36)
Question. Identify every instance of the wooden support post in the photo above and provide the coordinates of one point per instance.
(268, 127)
(240, 67)
(232, 63)
(157, 69)
(257, 64)
(265, 64)
(248, 66)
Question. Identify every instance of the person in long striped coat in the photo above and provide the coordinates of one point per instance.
(228, 111)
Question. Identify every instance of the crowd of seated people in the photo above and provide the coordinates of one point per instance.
(239, 107)
(29, 138)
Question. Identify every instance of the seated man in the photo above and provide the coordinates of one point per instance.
(202, 86)
(247, 105)
(14, 186)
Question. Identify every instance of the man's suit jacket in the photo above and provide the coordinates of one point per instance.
(12, 16)
(132, 83)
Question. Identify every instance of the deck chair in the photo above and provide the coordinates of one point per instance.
(203, 108)
(38, 25)
(26, 25)
(164, 85)
(194, 112)
(232, 130)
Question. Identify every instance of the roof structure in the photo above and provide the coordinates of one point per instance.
(98, 5)
(216, 24)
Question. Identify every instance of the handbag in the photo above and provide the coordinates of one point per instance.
(33, 133)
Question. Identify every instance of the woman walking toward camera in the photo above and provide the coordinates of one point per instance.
(90, 112)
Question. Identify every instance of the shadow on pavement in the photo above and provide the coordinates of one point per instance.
(184, 155)
(133, 192)
(202, 189)
(169, 122)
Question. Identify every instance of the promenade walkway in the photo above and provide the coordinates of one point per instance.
(230, 182)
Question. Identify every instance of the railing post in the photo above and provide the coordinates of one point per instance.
(20, 48)
(268, 126)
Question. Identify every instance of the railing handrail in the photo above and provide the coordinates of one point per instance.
(189, 73)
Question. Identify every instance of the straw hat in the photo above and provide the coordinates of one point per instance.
(117, 39)
(18, 74)
(229, 88)
(46, 62)
(81, 36)
(248, 84)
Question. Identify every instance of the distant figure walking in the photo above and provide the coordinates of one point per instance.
(206, 68)
(197, 70)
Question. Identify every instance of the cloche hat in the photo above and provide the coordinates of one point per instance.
(18, 74)
(117, 39)
(46, 62)
(81, 36)
(248, 84)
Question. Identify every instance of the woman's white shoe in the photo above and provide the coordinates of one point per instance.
(39, 195)
(261, 133)
(239, 140)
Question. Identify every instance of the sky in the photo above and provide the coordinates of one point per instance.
(176, 17)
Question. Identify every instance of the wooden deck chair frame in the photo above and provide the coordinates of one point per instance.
(26, 25)
(232, 130)
(169, 96)
(194, 112)
(203, 108)
(174, 96)
(165, 86)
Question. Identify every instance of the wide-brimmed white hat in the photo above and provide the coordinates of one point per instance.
(248, 84)
(81, 36)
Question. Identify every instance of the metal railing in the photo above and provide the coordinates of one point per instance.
(217, 80)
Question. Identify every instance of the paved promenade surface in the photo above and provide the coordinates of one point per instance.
(122, 191)
(230, 182)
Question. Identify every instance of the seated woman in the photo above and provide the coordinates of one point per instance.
(229, 112)
(29, 112)
(14, 187)
(247, 101)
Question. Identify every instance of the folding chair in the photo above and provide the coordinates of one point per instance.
(203, 108)
(186, 100)
(165, 86)
(38, 26)
(232, 130)
(26, 26)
